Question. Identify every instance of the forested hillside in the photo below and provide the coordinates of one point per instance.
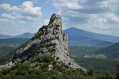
(112, 52)
(13, 42)
(99, 65)
(82, 50)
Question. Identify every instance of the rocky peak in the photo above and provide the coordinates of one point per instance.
(49, 40)
(55, 19)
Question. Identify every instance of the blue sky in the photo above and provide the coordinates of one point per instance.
(20, 16)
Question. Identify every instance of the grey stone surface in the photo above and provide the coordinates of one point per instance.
(8, 65)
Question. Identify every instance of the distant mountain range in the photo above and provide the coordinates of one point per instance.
(75, 33)
(81, 37)
(78, 37)
(25, 35)
(79, 40)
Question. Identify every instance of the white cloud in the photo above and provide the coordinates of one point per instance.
(29, 10)
(113, 17)
(3, 20)
(74, 6)
(8, 16)
(71, 4)
(25, 11)
(111, 4)
(92, 15)
(22, 22)
(46, 21)
(19, 19)
(8, 7)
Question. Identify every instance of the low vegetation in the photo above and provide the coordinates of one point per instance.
(99, 65)
(6, 58)
(13, 42)
(39, 69)
(112, 52)
(4, 50)
(45, 67)
(82, 50)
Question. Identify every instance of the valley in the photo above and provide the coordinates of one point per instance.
(78, 53)
(98, 56)
(59, 39)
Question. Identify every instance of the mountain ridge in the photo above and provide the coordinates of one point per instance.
(76, 37)
(81, 37)
(24, 35)
(73, 31)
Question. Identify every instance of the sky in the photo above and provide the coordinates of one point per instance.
(20, 16)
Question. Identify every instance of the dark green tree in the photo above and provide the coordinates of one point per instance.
(91, 71)
(117, 77)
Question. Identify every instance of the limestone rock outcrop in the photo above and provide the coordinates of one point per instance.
(48, 40)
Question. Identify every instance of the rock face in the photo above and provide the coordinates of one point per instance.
(48, 40)
(8, 65)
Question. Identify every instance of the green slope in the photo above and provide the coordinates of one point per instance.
(8, 45)
(12, 42)
(6, 58)
(4, 50)
(100, 65)
(39, 69)
(82, 50)
(110, 51)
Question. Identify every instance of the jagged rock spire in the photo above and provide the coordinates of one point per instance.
(55, 19)
(48, 40)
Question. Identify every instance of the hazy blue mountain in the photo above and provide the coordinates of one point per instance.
(25, 35)
(110, 51)
(83, 41)
(5, 36)
(77, 37)
(75, 32)
(81, 37)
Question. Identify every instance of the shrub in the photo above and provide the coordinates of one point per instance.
(51, 50)
(47, 45)
(57, 58)
(45, 59)
(23, 60)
